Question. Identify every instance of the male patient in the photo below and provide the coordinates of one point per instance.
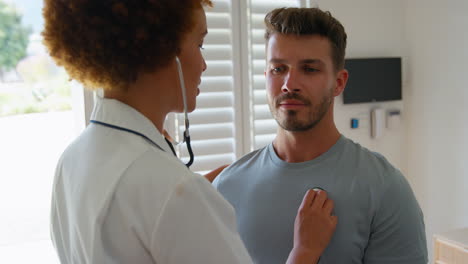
(379, 219)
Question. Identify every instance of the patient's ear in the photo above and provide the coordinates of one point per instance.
(341, 80)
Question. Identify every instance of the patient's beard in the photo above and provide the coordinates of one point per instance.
(291, 120)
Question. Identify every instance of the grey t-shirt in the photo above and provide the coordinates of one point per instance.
(379, 219)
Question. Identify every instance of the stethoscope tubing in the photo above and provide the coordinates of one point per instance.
(186, 121)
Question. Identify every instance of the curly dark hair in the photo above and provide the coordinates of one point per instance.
(107, 43)
(309, 21)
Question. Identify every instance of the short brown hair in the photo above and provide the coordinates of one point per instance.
(309, 21)
(107, 43)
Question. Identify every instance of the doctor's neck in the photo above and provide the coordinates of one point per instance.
(152, 94)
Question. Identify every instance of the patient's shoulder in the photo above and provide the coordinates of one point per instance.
(247, 164)
(255, 156)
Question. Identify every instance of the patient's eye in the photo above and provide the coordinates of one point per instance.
(309, 69)
(277, 69)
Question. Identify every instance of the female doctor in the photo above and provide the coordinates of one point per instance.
(120, 195)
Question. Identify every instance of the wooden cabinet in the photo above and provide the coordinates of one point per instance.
(451, 247)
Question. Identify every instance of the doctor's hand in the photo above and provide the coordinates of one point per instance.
(210, 176)
(313, 228)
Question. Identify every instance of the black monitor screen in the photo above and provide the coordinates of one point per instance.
(373, 80)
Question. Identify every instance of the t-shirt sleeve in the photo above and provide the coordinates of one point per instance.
(216, 181)
(197, 226)
(397, 231)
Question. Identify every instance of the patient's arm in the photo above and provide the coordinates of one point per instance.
(313, 228)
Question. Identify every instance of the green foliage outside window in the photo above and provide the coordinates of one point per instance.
(43, 87)
(14, 38)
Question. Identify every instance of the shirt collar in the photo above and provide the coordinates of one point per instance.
(114, 112)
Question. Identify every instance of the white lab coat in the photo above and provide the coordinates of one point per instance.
(117, 198)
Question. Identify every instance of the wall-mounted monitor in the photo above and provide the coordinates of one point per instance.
(373, 80)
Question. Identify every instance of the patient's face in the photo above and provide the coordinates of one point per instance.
(301, 80)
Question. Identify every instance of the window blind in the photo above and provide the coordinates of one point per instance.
(212, 124)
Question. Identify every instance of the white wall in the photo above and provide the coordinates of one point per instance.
(436, 103)
(375, 29)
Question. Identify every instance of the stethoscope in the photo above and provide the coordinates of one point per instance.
(168, 138)
(186, 120)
